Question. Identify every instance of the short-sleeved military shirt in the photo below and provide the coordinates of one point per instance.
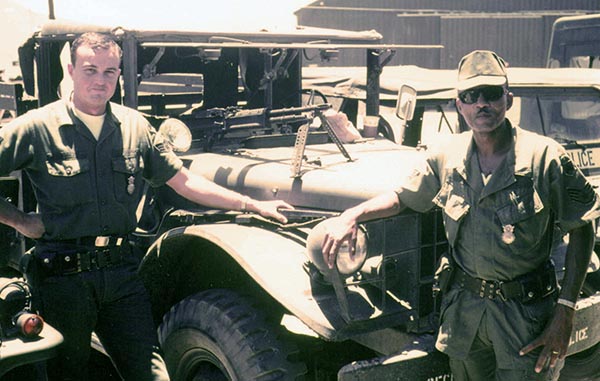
(534, 186)
(84, 186)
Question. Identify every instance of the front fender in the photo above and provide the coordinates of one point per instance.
(273, 260)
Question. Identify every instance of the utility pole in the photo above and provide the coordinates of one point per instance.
(51, 10)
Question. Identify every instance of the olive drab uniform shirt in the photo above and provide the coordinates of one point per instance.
(534, 186)
(86, 187)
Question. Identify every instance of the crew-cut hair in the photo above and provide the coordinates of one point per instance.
(95, 41)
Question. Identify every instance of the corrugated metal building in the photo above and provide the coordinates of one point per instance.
(519, 30)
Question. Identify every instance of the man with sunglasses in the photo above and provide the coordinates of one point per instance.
(503, 190)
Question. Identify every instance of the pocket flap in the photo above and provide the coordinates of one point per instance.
(522, 206)
(456, 207)
(128, 165)
(67, 168)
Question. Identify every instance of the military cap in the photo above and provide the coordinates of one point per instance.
(479, 68)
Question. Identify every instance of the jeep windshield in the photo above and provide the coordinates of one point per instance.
(564, 117)
(569, 115)
(563, 103)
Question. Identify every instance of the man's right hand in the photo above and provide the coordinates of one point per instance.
(31, 226)
(28, 224)
(344, 227)
(338, 230)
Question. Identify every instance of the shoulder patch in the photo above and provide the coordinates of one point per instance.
(163, 147)
(567, 165)
(583, 195)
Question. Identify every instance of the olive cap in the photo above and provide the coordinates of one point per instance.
(479, 68)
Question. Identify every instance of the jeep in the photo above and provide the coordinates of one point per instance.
(237, 296)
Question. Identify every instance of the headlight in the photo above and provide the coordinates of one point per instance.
(177, 134)
(345, 262)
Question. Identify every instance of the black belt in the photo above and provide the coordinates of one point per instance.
(94, 241)
(529, 287)
(66, 257)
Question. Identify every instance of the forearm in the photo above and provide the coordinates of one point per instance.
(384, 205)
(202, 191)
(11, 215)
(579, 250)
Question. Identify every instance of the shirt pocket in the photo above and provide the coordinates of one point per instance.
(70, 182)
(455, 207)
(128, 180)
(522, 212)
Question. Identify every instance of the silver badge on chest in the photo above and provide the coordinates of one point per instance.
(508, 234)
(131, 184)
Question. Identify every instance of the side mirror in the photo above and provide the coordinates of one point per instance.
(177, 134)
(406, 103)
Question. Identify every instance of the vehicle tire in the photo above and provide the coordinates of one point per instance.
(582, 366)
(591, 284)
(218, 335)
(385, 129)
(310, 95)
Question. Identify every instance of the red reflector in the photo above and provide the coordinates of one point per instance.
(30, 325)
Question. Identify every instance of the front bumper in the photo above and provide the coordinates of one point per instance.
(421, 363)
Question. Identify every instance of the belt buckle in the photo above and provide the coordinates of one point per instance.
(499, 291)
(101, 241)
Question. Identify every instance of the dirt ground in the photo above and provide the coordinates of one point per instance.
(100, 369)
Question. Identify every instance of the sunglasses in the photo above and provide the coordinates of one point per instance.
(489, 93)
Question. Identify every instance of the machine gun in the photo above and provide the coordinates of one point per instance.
(218, 127)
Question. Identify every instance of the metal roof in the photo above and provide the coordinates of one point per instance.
(68, 30)
(578, 21)
(437, 83)
(298, 37)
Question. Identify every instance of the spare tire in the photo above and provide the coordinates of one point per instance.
(591, 285)
(218, 335)
(582, 366)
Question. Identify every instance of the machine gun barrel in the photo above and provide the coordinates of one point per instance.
(290, 119)
(295, 114)
(262, 118)
(297, 110)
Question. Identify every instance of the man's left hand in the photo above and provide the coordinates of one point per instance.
(270, 209)
(554, 340)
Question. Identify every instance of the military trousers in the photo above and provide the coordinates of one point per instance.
(481, 363)
(113, 303)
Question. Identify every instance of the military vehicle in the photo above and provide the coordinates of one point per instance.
(240, 297)
(574, 42)
(26, 338)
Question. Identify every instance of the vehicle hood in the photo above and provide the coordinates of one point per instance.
(328, 180)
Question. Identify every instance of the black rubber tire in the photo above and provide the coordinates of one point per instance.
(313, 92)
(591, 284)
(583, 366)
(385, 129)
(218, 335)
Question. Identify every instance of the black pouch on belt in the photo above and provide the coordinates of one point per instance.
(538, 284)
(444, 275)
(57, 263)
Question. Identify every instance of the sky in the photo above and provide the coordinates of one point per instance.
(22, 17)
(268, 13)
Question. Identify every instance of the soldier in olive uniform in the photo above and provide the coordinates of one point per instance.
(87, 159)
(502, 190)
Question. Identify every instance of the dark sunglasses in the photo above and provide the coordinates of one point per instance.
(490, 94)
